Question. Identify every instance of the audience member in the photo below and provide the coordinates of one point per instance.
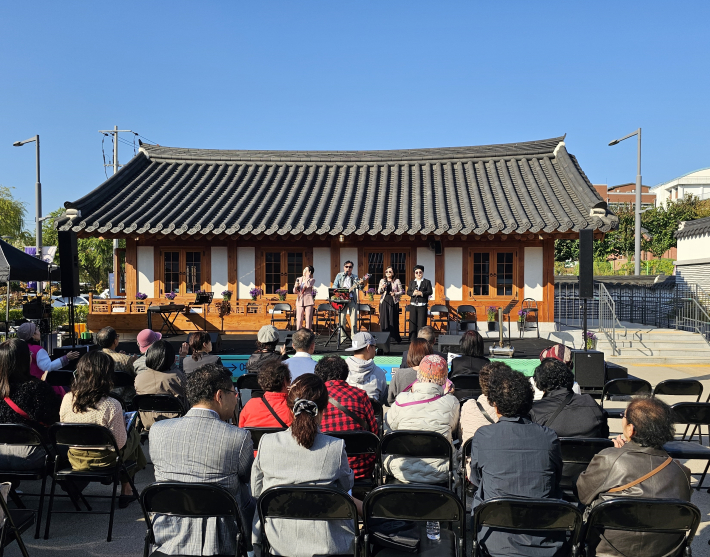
(426, 408)
(478, 413)
(145, 340)
(40, 360)
(364, 374)
(647, 425)
(349, 409)
(160, 377)
(558, 352)
(89, 402)
(202, 447)
(304, 456)
(515, 458)
(270, 410)
(428, 333)
(107, 339)
(405, 376)
(24, 400)
(266, 341)
(201, 345)
(471, 359)
(304, 343)
(569, 414)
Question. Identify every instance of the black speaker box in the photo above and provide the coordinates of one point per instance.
(285, 338)
(586, 263)
(64, 350)
(589, 368)
(383, 341)
(216, 341)
(449, 343)
(68, 263)
(435, 245)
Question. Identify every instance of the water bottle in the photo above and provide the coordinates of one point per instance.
(433, 530)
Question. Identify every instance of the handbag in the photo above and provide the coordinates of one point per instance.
(402, 535)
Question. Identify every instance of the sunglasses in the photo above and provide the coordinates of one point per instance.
(348, 266)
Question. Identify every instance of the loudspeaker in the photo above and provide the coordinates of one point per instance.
(449, 343)
(216, 341)
(586, 263)
(435, 246)
(69, 263)
(589, 368)
(64, 350)
(383, 341)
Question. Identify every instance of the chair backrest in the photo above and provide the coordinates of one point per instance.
(158, 403)
(364, 308)
(282, 307)
(325, 307)
(258, 432)
(439, 308)
(694, 413)
(626, 387)
(469, 382)
(357, 442)
(248, 381)
(189, 500)
(60, 378)
(82, 435)
(419, 444)
(679, 387)
(21, 434)
(529, 303)
(637, 514)
(123, 379)
(582, 450)
(467, 309)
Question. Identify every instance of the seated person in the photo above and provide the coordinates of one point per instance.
(569, 414)
(24, 400)
(471, 359)
(304, 343)
(108, 340)
(203, 447)
(334, 371)
(426, 408)
(428, 333)
(266, 341)
(160, 377)
(515, 458)
(145, 340)
(89, 402)
(647, 425)
(479, 412)
(405, 376)
(315, 459)
(270, 410)
(364, 374)
(201, 345)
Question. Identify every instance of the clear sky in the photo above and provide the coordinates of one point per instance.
(351, 75)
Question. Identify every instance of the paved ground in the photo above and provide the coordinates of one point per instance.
(86, 534)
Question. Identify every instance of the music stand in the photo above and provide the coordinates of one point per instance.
(339, 298)
(204, 299)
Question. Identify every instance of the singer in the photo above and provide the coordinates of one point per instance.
(304, 298)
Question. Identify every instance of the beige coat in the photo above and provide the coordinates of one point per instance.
(151, 382)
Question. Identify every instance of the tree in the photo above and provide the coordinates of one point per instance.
(663, 221)
(12, 219)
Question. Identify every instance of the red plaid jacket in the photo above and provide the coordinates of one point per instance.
(356, 401)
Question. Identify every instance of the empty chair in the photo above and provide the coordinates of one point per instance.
(364, 316)
(681, 387)
(359, 443)
(282, 313)
(466, 386)
(577, 453)
(530, 306)
(14, 523)
(189, 501)
(544, 517)
(467, 317)
(414, 445)
(641, 526)
(624, 387)
(696, 414)
(438, 316)
(325, 317)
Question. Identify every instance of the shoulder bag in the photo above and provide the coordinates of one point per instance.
(273, 412)
(349, 413)
(564, 403)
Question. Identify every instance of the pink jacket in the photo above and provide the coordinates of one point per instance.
(305, 296)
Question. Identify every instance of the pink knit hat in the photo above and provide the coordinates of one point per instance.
(432, 369)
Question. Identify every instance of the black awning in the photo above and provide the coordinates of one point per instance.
(17, 265)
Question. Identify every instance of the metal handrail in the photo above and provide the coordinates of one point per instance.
(694, 317)
(608, 321)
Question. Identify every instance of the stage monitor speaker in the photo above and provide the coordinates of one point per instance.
(69, 263)
(449, 343)
(435, 246)
(589, 369)
(586, 263)
(64, 350)
(383, 341)
(216, 341)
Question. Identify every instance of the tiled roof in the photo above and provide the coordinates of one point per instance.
(696, 227)
(511, 189)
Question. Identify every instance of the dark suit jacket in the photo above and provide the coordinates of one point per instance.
(467, 365)
(425, 289)
(581, 417)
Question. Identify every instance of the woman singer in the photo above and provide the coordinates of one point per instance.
(390, 289)
(304, 297)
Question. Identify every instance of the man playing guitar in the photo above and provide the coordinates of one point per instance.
(348, 280)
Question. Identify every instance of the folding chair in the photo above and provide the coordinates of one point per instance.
(530, 306)
(379, 411)
(513, 514)
(60, 378)
(14, 523)
(472, 317)
(288, 315)
(364, 316)
(328, 315)
(161, 404)
(89, 436)
(250, 382)
(577, 453)
(681, 387)
(442, 318)
(306, 503)
(421, 504)
(407, 311)
(258, 432)
(637, 514)
(360, 443)
(466, 386)
(624, 387)
(190, 500)
(415, 444)
(696, 414)
(123, 379)
(463, 467)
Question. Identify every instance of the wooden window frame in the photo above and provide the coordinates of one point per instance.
(493, 284)
(182, 258)
(387, 252)
(284, 251)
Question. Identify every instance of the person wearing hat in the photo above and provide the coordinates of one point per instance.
(145, 340)
(364, 374)
(41, 363)
(419, 291)
(424, 407)
(266, 341)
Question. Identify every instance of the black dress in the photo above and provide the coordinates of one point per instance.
(389, 315)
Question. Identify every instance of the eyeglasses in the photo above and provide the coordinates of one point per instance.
(623, 415)
(234, 392)
(348, 266)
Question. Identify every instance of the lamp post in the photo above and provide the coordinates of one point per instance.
(637, 211)
(38, 196)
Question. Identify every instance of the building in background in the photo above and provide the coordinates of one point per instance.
(695, 183)
(625, 194)
(693, 264)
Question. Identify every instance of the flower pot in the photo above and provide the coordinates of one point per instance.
(371, 297)
(253, 298)
(591, 344)
(282, 298)
(492, 326)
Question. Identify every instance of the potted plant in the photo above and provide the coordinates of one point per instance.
(522, 318)
(491, 315)
(171, 295)
(371, 294)
(281, 293)
(226, 295)
(591, 341)
(141, 297)
(254, 292)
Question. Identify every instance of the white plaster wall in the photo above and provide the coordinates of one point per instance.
(146, 270)
(533, 273)
(321, 264)
(425, 257)
(453, 273)
(695, 247)
(345, 254)
(219, 270)
(246, 271)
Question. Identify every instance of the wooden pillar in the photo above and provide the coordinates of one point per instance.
(334, 258)
(131, 269)
(548, 257)
(439, 291)
(232, 268)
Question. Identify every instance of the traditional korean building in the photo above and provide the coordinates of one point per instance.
(482, 220)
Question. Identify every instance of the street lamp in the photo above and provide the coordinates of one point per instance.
(38, 196)
(637, 211)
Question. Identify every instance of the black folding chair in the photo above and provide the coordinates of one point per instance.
(364, 316)
(87, 436)
(466, 386)
(250, 382)
(463, 467)
(379, 415)
(258, 432)
(513, 514)
(360, 443)
(287, 312)
(624, 387)
(306, 503)
(681, 387)
(530, 306)
(695, 414)
(328, 315)
(190, 500)
(637, 514)
(415, 444)
(60, 378)
(436, 321)
(577, 453)
(407, 311)
(471, 317)
(16, 522)
(159, 404)
(24, 435)
(420, 504)
(123, 379)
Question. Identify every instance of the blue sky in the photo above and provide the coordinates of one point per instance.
(351, 75)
